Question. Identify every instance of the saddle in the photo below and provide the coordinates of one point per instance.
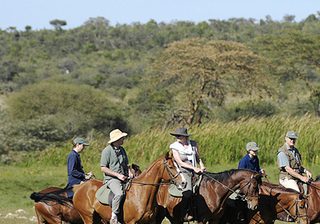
(177, 192)
(104, 195)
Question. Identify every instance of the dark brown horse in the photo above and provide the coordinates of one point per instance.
(314, 201)
(275, 203)
(208, 202)
(139, 205)
(53, 206)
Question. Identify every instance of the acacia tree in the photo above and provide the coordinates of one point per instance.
(200, 73)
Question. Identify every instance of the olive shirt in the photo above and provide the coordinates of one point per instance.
(115, 159)
(289, 157)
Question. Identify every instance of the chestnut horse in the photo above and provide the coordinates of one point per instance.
(53, 206)
(139, 204)
(208, 202)
(275, 203)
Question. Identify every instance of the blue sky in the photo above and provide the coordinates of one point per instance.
(38, 13)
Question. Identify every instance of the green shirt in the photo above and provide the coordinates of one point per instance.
(116, 160)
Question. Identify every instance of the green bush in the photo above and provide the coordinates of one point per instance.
(47, 113)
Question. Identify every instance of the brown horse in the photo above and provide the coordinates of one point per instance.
(314, 201)
(139, 204)
(275, 203)
(53, 206)
(208, 202)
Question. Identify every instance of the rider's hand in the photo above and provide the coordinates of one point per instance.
(121, 177)
(305, 179)
(197, 170)
(309, 174)
(88, 175)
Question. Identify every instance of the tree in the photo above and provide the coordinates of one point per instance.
(58, 24)
(200, 73)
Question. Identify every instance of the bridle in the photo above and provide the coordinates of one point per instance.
(246, 195)
(297, 209)
(243, 197)
(167, 168)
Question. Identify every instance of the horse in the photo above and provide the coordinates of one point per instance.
(139, 204)
(314, 201)
(209, 201)
(53, 206)
(275, 203)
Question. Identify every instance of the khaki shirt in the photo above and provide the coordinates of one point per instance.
(114, 159)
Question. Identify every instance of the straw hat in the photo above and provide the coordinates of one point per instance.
(115, 135)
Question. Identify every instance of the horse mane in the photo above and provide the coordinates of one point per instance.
(318, 178)
(221, 176)
(52, 196)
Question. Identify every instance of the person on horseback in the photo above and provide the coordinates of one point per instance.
(76, 173)
(289, 162)
(186, 155)
(115, 167)
(251, 161)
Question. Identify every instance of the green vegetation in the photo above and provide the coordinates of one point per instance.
(229, 81)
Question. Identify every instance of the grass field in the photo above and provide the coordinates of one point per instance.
(17, 183)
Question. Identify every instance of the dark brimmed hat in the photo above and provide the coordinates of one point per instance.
(180, 132)
(79, 140)
(292, 134)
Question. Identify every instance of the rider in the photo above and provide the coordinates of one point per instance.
(186, 155)
(76, 174)
(114, 165)
(250, 160)
(289, 162)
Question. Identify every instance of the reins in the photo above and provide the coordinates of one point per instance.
(166, 167)
(243, 197)
(286, 210)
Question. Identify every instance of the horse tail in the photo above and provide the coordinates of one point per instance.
(36, 196)
(46, 197)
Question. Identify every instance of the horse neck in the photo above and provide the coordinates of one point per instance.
(238, 177)
(228, 180)
(153, 174)
(284, 196)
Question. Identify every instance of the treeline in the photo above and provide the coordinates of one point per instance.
(56, 84)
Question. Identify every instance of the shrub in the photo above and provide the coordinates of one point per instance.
(47, 113)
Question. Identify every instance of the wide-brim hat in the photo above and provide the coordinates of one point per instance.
(180, 132)
(115, 135)
(252, 146)
(292, 134)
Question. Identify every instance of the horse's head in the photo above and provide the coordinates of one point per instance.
(135, 170)
(249, 187)
(172, 173)
(301, 210)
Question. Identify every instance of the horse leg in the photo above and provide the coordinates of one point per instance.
(47, 214)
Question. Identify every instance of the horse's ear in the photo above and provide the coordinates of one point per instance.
(169, 154)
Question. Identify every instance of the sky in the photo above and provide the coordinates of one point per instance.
(38, 13)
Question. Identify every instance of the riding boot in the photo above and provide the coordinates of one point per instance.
(186, 206)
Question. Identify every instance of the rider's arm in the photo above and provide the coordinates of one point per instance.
(178, 160)
(109, 172)
(295, 174)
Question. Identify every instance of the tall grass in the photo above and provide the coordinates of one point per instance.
(219, 143)
(223, 143)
